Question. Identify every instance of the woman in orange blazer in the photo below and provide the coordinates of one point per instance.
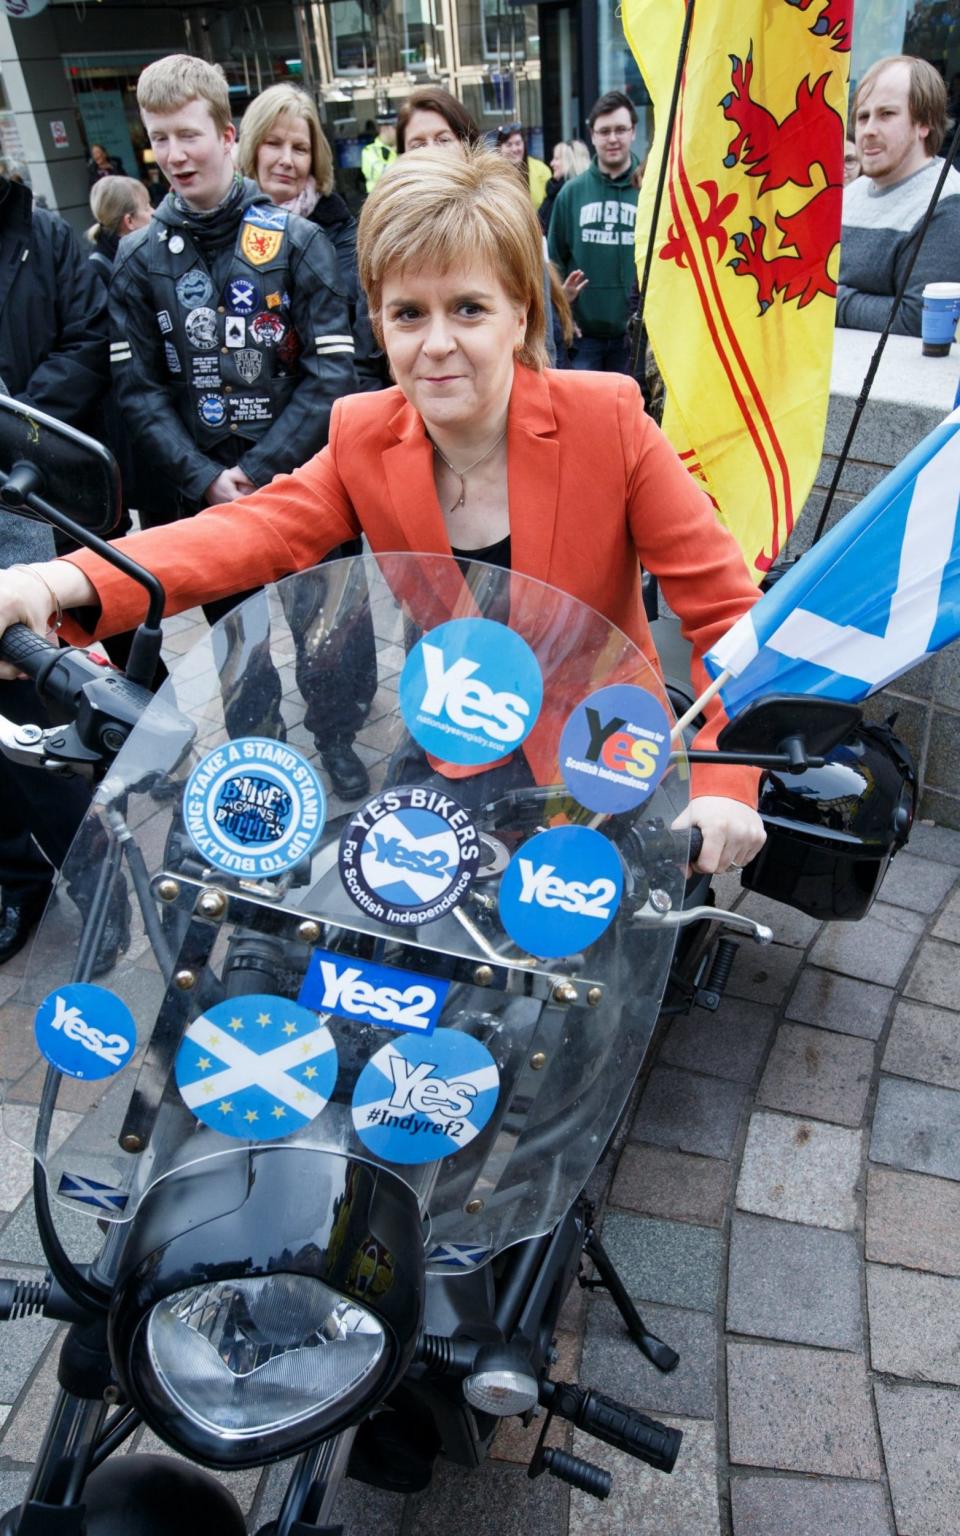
(478, 449)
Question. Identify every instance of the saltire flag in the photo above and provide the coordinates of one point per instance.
(879, 593)
(742, 298)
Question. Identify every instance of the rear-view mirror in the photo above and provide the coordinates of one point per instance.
(766, 724)
(60, 465)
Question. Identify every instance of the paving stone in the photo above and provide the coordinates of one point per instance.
(924, 1043)
(731, 1043)
(914, 1324)
(16, 1166)
(21, 1344)
(789, 926)
(916, 1127)
(496, 1499)
(20, 1240)
(935, 976)
(804, 1506)
(673, 1184)
(803, 1410)
(817, 1073)
(358, 1507)
(916, 882)
(692, 1113)
(24, 1430)
(947, 925)
(668, 1261)
(613, 1365)
(920, 1429)
(913, 1220)
(876, 948)
(800, 1170)
(796, 1283)
(646, 1503)
(841, 1003)
(934, 842)
(14, 1482)
(764, 973)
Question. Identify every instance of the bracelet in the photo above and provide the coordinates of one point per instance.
(31, 570)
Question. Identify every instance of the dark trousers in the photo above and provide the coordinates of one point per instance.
(601, 354)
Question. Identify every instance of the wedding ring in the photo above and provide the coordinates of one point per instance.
(731, 867)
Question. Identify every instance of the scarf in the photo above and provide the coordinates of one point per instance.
(305, 201)
(211, 228)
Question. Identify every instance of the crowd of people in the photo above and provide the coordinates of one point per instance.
(212, 336)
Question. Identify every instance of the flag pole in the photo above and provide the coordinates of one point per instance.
(696, 707)
(878, 352)
(636, 320)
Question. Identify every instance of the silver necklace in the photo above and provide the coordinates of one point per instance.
(462, 474)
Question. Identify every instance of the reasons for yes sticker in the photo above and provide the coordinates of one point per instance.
(254, 807)
(470, 691)
(373, 994)
(560, 891)
(256, 1067)
(615, 748)
(419, 1100)
(85, 1031)
(409, 856)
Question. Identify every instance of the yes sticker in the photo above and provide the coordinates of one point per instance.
(254, 807)
(615, 748)
(471, 691)
(373, 994)
(420, 1100)
(561, 891)
(409, 856)
(85, 1031)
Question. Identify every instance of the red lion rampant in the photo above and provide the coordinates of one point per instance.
(833, 22)
(780, 153)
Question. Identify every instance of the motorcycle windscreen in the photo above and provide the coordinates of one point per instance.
(455, 975)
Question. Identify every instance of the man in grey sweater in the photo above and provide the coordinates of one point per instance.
(900, 120)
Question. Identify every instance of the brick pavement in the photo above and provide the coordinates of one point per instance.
(785, 1206)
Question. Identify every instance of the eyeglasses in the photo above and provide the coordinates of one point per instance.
(613, 133)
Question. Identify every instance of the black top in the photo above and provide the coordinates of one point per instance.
(492, 554)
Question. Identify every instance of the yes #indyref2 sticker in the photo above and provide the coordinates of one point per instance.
(615, 748)
(470, 691)
(256, 1067)
(85, 1031)
(409, 856)
(254, 807)
(560, 891)
(419, 1100)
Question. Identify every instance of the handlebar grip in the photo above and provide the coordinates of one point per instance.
(22, 648)
(696, 844)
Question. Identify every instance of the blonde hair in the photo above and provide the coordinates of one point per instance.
(170, 83)
(581, 156)
(563, 152)
(111, 199)
(260, 117)
(437, 210)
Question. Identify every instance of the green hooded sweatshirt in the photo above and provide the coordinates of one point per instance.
(592, 228)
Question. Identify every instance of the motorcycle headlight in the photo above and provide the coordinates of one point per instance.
(248, 1357)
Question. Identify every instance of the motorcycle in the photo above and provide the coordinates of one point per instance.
(346, 1083)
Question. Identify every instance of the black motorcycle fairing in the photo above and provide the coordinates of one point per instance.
(355, 1227)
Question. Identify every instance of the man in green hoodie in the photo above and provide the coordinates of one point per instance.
(592, 233)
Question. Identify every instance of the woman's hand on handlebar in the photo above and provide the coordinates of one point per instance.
(732, 833)
(25, 598)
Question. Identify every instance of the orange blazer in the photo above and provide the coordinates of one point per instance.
(593, 485)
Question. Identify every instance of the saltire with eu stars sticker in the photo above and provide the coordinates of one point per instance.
(256, 1067)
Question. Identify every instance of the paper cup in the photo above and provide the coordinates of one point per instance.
(941, 311)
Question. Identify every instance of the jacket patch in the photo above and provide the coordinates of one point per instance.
(194, 288)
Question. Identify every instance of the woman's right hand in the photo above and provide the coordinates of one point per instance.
(25, 598)
(574, 284)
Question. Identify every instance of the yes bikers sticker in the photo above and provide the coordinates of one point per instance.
(254, 807)
(85, 1031)
(561, 891)
(420, 1100)
(409, 856)
(374, 994)
(615, 748)
(470, 691)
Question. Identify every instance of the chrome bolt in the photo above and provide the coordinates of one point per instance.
(472, 1207)
(111, 1395)
(564, 992)
(168, 890)
(212, 904)
(594, 996)
(309, 931)
(131, 1143)
(26, 735)
(661, 901)
(483, 975)
(538, 1060)
(185, 980)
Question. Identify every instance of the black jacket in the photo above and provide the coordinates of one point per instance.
(53, 313)
(149, 394)
(340, 228)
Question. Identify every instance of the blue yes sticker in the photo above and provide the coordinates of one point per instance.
(256, 1067)
(470, 691)
(373, 994)
(254, 807)
(615, 748)
(420, 1100)
(561, 891)
(85, 1031)
(409, 856)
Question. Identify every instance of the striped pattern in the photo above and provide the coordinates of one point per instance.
(333, 343)
(120, 352)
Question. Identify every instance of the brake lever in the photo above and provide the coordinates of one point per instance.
(58, 749)
(658, 912)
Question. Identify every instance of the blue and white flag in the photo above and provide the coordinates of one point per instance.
(879, 593)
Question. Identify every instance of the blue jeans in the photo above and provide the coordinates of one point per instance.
(601, 354)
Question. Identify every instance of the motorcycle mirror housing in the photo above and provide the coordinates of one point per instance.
(257, 1278)
(69, 469)
(768, 724)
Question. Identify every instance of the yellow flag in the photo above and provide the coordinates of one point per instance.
(741, 304)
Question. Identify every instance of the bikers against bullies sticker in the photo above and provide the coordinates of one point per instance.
(615, 748)
(409, 856)
(470, 691)
(85, 1031)
(254, 807)
(256, 1067)
(561, 891)
(380, 995)
(419, 1100)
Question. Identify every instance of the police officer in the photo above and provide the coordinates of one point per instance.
(375, 157)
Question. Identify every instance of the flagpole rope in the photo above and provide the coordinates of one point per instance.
(637, 317)
(696, 708)
(878, 353)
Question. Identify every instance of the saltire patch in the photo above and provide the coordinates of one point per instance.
(454, 1256)
(74, 1186)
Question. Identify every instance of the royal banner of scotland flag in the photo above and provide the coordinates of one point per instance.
(876, 595)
